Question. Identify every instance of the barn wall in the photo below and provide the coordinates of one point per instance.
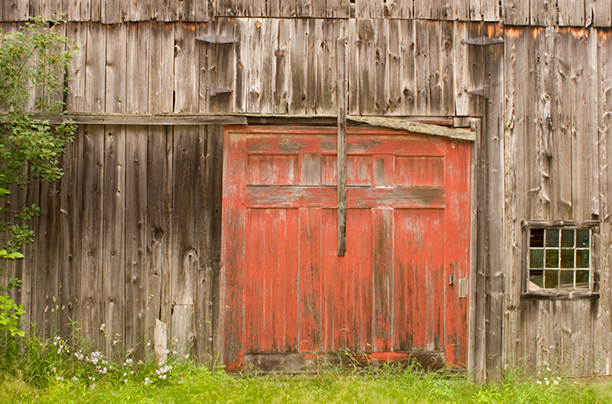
(511, 12)
(129, 235)
(556, 129)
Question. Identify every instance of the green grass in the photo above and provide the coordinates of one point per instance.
(32, 371)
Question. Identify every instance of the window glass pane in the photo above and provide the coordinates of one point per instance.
(552, 258)
(567, 238)
(552, 237)
(536, 258)
(582, 259)
(567, 258)
(536, 238)
(582, 238)
(536, 279)
(567, 280)
(582, 279)
(551, 279)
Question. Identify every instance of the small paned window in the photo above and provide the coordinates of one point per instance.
(559, 259)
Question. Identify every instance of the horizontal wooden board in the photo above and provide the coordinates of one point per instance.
(278, 196)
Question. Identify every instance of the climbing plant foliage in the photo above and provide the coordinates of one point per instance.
(33, 59)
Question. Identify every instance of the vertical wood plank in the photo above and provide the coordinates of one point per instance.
(241, 67)
(159, 227)
(314, 74)
(225, 68)
(598, 13)
(15, 10)
(76, 71)
(543, 13)
(408, 71)
(115, 101)
(383, 273)
(186, 257)
(601, 330)
(605, 100)
(338, 8)
(268, 65)
(427, 10)
(137, 83)
(446, 75)
(310, 283)
(365, 64)
(186, 72)
(91, 207)
(95, 69)
(113, 222)
(393, 91)
(254, 65)
(69, 232)
(298, 78)
(369, 9)
(110, 11)
(161, 68)
(571, 13)
(326, 85)
(341, 48)
(515, 12)
(561, 193)
(422, 61)
(490, 10)
(194, 10)
(282, 75)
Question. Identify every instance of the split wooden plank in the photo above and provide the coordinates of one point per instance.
(371, 9)
(138, 10)
(161, 68)
(475, 10)
(458, 10)
(116, 85)
(598, 13)
(381, 28)
(113, 247)
(167, 11)
(543, 13)
(91, 222)
(95, 69)
(342, 91)
(241, 58)
(283, 60)
(515, 12)
(194, 10)
(571, 13)
(186, 72)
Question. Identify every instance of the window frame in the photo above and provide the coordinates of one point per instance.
(562, 294)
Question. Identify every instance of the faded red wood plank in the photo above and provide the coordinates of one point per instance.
(253, 293)
(310, 287)
(292, 275)
(360, 232)
(419, 171)
(456, 251)
(233, 263)
(359, 170)
(382, 169)
(282, 196)
(413, 145)
(279, 277)
(383, 273)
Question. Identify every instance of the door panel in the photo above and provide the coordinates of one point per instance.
(285, 292)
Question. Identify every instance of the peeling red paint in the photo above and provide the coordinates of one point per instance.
(285, 289)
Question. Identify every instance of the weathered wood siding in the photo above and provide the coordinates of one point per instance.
(556, 133)
(580, 13)
(129, 235)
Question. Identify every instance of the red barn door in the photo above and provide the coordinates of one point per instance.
(286, 294)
